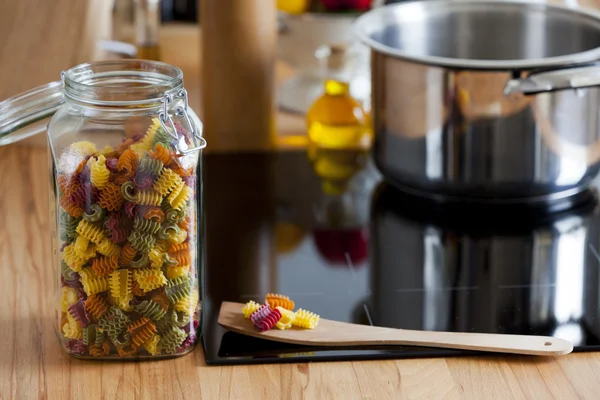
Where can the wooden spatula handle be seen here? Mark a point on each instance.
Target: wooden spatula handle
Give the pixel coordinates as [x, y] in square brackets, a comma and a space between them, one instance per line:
[515, 344]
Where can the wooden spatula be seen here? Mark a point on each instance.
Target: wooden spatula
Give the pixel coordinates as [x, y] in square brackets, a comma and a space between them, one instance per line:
[333, 333]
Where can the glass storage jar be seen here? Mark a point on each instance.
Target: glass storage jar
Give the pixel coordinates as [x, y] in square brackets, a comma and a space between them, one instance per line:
[125, 161]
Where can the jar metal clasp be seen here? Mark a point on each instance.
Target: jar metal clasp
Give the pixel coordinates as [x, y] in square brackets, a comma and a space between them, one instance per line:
[180, 111]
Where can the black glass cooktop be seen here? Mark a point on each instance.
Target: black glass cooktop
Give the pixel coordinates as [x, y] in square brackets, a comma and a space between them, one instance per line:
[343, 244]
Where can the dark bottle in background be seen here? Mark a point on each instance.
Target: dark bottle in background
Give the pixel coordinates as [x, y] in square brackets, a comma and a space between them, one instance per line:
[179, 10]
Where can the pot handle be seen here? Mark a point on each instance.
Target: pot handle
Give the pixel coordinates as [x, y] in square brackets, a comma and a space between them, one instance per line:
[551, 80]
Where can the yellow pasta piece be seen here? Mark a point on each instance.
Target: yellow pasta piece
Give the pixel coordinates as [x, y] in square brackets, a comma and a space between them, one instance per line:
[161, 246]
[149, 279]
[250, 308]
[99, 173]
[72, 259]
[151, 345]
[287, 319]
[92, 283]
[90, 231]
[305, 319]
[176, 272]
[72, 329]
[124, 303]
[178, 237]
[84, 249]
[120, 284]
[84, 147]
[145, 145]
[167, 181]
[156, 257]
[175, 192]
[68, 296]
[188, 303]
[108, 248]
[181, 199]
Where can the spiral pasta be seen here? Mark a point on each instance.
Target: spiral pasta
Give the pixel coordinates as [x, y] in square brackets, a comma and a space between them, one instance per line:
[141, 331]
[127, 164]
[77, 311]
[72, 259]
[141, 241]
[108, 248]
[287, 319]
[167, 181]
[68, 297]
[145, 145]
[278, 300]
[151, 345]
[305, 319]
[120, 283]
[161, 153]
[146, 225]
[155, 214]
[91, 232]
[269, 321]
[110, 197]
[72, 329]
[150, 309]
[126, 222]
[114, 322]
[96, 305]
[100, 350]
[177, 271]
[127, 255]
[99, 173]
[148, 198]
[149, 166]
[68, 225]
[171, 340]
[249, 308]
[70, 206]
[178, 289]
[150, 279]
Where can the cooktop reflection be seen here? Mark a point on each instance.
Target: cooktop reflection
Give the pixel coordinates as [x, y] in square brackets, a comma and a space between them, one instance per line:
[327, 231]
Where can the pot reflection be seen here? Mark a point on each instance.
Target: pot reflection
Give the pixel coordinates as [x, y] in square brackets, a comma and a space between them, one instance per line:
[489, 269]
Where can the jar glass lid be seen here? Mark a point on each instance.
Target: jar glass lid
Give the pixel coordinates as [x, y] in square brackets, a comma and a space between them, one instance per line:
[28, 113]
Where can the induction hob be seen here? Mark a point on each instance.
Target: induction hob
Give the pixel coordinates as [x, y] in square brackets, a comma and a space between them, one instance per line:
[370, 254]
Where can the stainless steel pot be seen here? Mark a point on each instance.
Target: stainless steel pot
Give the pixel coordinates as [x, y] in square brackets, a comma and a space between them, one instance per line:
[483, 100]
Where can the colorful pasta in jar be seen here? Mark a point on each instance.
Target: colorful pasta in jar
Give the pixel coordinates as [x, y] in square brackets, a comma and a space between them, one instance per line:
[126, 204]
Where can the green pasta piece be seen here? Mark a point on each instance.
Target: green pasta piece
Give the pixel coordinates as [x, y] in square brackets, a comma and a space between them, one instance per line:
[150, 166]
[171, 340]
[67, 272]
[97, 213]
[178, 288]
[126, 341]
[141, 262]
[100, 337]
[179, 319]
[128, 192]
[151, 309]
[146, 225]
[174, 216]
[164, 234]
[163, 325]
[114, 322]
[68, 225]
[89, 334]
[141, 241]
[161, 136]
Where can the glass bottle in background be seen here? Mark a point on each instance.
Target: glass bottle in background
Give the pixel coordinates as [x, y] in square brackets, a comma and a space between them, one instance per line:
[147, 24]
[337, 130]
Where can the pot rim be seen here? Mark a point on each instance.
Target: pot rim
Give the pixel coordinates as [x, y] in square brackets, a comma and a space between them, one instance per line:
[362, 32]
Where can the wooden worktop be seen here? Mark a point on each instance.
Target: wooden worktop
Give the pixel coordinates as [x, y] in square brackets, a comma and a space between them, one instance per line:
[39, 39]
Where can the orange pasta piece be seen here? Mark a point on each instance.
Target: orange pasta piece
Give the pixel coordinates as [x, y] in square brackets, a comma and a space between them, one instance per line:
[278, 300]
